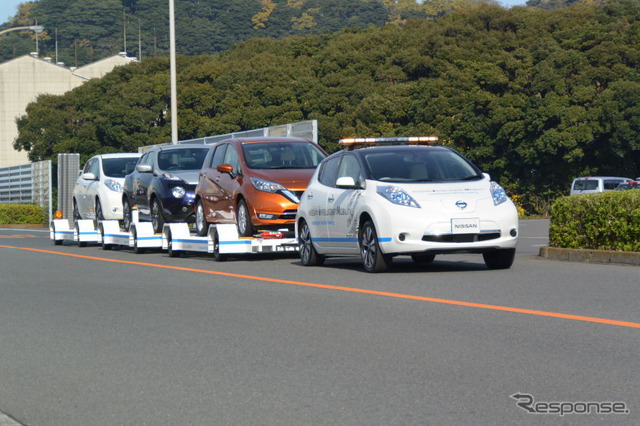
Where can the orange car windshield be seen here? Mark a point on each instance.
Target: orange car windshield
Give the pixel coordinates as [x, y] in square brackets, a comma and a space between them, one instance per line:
[282, 155]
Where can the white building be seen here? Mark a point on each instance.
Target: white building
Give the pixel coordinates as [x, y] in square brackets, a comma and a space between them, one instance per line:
[23, 79]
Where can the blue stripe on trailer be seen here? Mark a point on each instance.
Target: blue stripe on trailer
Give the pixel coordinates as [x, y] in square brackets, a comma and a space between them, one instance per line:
[186, 240]
[226, 243]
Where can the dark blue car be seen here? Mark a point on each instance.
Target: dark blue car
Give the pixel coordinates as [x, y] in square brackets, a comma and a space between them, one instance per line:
[162, 186]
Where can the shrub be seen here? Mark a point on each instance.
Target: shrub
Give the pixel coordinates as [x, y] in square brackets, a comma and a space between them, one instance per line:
[606, 221]
[21, 214]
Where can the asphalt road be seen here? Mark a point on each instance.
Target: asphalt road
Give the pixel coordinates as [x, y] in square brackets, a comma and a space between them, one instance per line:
[93, 337]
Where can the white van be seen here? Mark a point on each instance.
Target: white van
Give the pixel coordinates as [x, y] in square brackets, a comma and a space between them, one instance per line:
[592, 184]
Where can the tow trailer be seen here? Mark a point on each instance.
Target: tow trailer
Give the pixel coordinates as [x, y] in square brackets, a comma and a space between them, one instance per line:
[223, 240]
[83, 232]
[176, 238]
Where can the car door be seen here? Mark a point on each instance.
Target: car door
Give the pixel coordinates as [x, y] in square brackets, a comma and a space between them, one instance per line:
[319, 219]
[91, 187]
[342, 203]
[210, 191]
[141, 183]
[81, 189]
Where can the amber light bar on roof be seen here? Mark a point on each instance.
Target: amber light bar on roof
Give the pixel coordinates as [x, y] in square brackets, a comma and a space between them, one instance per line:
[388, 140]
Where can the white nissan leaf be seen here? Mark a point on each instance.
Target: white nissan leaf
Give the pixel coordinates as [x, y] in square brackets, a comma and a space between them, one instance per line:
[384, 197]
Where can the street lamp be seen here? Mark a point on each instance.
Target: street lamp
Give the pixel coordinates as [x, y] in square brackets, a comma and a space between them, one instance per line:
[172, 61]
[35, 28]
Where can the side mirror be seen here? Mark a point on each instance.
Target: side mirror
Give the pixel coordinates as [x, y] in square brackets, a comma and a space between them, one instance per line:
[487, 176]
[346, 182]
[225, 168]
[89, 176]
[144, 168]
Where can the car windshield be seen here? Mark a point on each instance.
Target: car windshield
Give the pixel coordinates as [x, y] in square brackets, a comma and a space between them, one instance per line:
[182, 159]
[118, 167]
[419, 164]
[282, 155]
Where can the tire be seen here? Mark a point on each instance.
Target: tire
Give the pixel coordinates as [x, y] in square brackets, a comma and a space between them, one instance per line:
[423, 258]
[99, 212]
[499, 259]
[105, 246]
[308, 254]
[136, 249]
[216, 248]
[170, 250]
[157, 218]
[126, 215]
[76, 212]
[373, 259]
[245, 228]
[202, 226]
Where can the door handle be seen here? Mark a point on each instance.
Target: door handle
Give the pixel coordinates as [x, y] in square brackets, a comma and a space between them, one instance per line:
[309, 195]
[331, 199]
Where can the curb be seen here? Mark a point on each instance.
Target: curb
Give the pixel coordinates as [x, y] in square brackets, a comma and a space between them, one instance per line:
[591, 256]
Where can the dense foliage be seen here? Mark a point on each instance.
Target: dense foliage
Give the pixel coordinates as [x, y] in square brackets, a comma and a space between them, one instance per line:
[21, 214]
[606, 221]
[535, 97]
[87, 30]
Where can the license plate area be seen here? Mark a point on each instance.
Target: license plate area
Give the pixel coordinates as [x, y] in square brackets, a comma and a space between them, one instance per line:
[465, 226]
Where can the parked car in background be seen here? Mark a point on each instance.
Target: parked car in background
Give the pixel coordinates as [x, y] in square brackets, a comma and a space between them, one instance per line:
[162, 185]
[634, 184]
[384, 197]
[255, 183]
[97, 193]
[593, 184]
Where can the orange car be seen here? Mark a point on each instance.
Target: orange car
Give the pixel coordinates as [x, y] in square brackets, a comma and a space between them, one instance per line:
[255, 183]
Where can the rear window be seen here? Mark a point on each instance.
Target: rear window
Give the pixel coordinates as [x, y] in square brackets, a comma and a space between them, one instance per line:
[585, 185]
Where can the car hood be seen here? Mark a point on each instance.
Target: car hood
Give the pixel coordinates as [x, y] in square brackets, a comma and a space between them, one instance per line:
[293, 179]
[453, 197]
[189, 176]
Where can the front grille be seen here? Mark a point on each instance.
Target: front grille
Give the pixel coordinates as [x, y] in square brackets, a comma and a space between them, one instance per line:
[461, 238]
[288, 214]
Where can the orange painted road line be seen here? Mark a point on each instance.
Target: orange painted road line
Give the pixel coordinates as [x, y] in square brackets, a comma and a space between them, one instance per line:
[352, 290]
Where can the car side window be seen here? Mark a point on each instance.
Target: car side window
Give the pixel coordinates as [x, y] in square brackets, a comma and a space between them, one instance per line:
[350, 166]
[95, 168]
[329, 171]
[231, 157]
[87, 167]
[218, 156]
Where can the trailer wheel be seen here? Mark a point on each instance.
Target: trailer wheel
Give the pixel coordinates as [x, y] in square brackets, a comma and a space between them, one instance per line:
[216, 248]
[170, 250]
[134, 234]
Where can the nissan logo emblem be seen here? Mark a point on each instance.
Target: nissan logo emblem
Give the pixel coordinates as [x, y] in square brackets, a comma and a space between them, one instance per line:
[461, 205]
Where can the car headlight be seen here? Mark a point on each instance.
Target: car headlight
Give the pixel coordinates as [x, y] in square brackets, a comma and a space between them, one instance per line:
[273, 187]
[498, 194]
[178, 191]
[397, 196]
[113, 185]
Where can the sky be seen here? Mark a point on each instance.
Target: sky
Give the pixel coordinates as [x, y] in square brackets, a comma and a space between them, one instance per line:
[9, 8]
